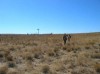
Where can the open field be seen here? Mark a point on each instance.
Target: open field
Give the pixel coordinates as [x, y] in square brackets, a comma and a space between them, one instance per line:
[46, 54]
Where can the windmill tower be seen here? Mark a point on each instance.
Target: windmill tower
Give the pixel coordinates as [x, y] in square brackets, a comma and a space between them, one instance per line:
[38, 30]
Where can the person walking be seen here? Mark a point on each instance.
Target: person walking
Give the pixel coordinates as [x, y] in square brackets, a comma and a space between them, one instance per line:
[65, 38]
[69, 37]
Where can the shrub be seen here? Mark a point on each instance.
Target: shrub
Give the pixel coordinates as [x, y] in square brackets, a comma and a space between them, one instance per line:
[11, 65]
[12, 48]
[3, 68]
[75, 49]
[96, 55]
[92, 43]
[36, 55]
[29, 58]
[97, 67]
[51, 53]
[35, 44]
[9, 58]
[64, 48]
[1, 55]
[56, 50]
[87, 47]
[46, 69]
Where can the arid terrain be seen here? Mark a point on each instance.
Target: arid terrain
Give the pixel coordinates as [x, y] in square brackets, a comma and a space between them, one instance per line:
[46, 54]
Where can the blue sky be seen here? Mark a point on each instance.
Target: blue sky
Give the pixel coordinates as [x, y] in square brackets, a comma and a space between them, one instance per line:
[50, 16]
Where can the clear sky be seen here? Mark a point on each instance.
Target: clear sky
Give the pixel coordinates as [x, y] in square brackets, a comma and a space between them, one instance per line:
[50, 16]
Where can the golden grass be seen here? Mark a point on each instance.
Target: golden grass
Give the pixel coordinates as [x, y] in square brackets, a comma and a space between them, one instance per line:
[46, 54]
[3, 68]
[12, 71]
[97, 67]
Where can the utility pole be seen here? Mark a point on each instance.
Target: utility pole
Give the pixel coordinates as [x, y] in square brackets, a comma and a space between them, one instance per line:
[38, 30]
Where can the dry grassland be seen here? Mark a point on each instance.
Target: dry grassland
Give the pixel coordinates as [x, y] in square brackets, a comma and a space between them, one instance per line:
[46, 54]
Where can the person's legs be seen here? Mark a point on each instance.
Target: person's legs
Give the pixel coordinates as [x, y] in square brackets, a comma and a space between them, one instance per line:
[69, 39]
[64, 42]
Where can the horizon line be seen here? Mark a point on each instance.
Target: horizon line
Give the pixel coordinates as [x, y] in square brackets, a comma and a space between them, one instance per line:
[44, 33]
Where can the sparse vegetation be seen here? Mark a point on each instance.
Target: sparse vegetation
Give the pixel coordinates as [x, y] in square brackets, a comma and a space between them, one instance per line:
[46, 54]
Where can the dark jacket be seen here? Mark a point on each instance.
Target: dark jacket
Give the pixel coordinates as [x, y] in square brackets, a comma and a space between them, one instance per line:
[65, 37]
